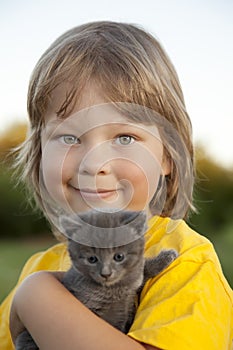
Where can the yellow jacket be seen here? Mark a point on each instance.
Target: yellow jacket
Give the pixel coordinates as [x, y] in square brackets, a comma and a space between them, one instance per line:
[189, 306]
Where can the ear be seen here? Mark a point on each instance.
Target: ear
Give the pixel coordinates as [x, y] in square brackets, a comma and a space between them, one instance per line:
[137, 220]
[69, 224]
[128, 216]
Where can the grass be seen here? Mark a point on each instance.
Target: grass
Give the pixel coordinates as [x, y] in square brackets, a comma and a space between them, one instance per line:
[13, 255]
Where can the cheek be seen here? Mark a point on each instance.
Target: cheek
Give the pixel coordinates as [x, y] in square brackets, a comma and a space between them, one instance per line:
[141, 167]
[139, 180]
[56, 169]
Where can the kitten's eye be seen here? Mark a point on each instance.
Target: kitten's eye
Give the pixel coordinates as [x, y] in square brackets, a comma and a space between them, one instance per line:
[92, 259]
[125, 140]
[70, 139]
[119, 257]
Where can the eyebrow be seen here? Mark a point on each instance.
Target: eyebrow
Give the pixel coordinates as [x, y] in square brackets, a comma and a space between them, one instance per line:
[125, 125]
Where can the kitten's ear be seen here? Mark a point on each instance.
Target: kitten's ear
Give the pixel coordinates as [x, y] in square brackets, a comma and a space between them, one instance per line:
[69, 225]
[136, 219]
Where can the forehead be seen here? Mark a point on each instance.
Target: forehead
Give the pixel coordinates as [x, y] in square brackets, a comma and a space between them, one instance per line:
[92, 110]
[102, 118]
[90, 95]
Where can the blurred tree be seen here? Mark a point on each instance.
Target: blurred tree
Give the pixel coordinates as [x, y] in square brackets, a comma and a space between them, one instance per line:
[12, 137]
[17, 218]
[213, 195]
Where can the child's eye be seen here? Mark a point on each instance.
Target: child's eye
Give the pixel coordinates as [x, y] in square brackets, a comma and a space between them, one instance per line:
[119, 257]
[125, 140]
[92, 259]
[70, 139]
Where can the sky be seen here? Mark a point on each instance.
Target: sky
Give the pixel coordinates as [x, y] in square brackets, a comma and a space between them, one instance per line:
[197, 35]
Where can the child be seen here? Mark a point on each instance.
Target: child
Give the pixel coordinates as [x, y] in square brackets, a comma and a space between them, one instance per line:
[109, 128]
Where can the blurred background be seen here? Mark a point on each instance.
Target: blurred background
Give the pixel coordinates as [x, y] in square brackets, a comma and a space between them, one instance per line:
[198, 38]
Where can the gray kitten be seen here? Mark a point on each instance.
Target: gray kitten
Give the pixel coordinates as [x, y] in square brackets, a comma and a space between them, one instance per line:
[109, 270]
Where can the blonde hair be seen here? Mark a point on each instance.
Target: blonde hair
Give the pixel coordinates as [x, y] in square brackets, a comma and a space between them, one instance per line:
[129, 65]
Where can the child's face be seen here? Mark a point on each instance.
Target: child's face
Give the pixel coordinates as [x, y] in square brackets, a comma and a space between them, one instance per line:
[96, 158]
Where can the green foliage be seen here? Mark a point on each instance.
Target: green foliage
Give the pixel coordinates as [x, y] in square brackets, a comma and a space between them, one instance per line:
[213, 196]
[223, 244]
[17, 218]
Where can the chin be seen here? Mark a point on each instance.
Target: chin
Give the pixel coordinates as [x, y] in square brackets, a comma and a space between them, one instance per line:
[108, 283]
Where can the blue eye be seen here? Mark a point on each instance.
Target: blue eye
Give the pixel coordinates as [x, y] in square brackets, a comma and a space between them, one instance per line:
[70, 139]
[92, 259]
[118, 257]
[125, 140]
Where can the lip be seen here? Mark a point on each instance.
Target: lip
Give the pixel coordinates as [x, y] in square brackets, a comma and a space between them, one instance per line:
[96, 194]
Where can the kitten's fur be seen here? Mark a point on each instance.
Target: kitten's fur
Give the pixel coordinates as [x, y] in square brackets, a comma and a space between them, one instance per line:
[108, 279]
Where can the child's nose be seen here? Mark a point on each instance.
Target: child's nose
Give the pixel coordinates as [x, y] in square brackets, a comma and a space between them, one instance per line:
[96, 161]
[94, 168]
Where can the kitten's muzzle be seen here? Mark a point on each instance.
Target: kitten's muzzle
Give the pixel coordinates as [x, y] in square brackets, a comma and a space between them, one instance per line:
[106, 272]
[106, 275]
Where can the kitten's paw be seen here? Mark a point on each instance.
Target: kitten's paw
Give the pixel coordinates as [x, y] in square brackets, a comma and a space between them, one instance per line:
[154, 266]
[168, 255]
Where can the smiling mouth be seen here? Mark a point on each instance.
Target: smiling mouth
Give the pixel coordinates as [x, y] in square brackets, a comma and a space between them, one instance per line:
[96, 193]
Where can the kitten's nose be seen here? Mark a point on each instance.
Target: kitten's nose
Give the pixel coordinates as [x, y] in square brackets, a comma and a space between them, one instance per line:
[106, 272]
